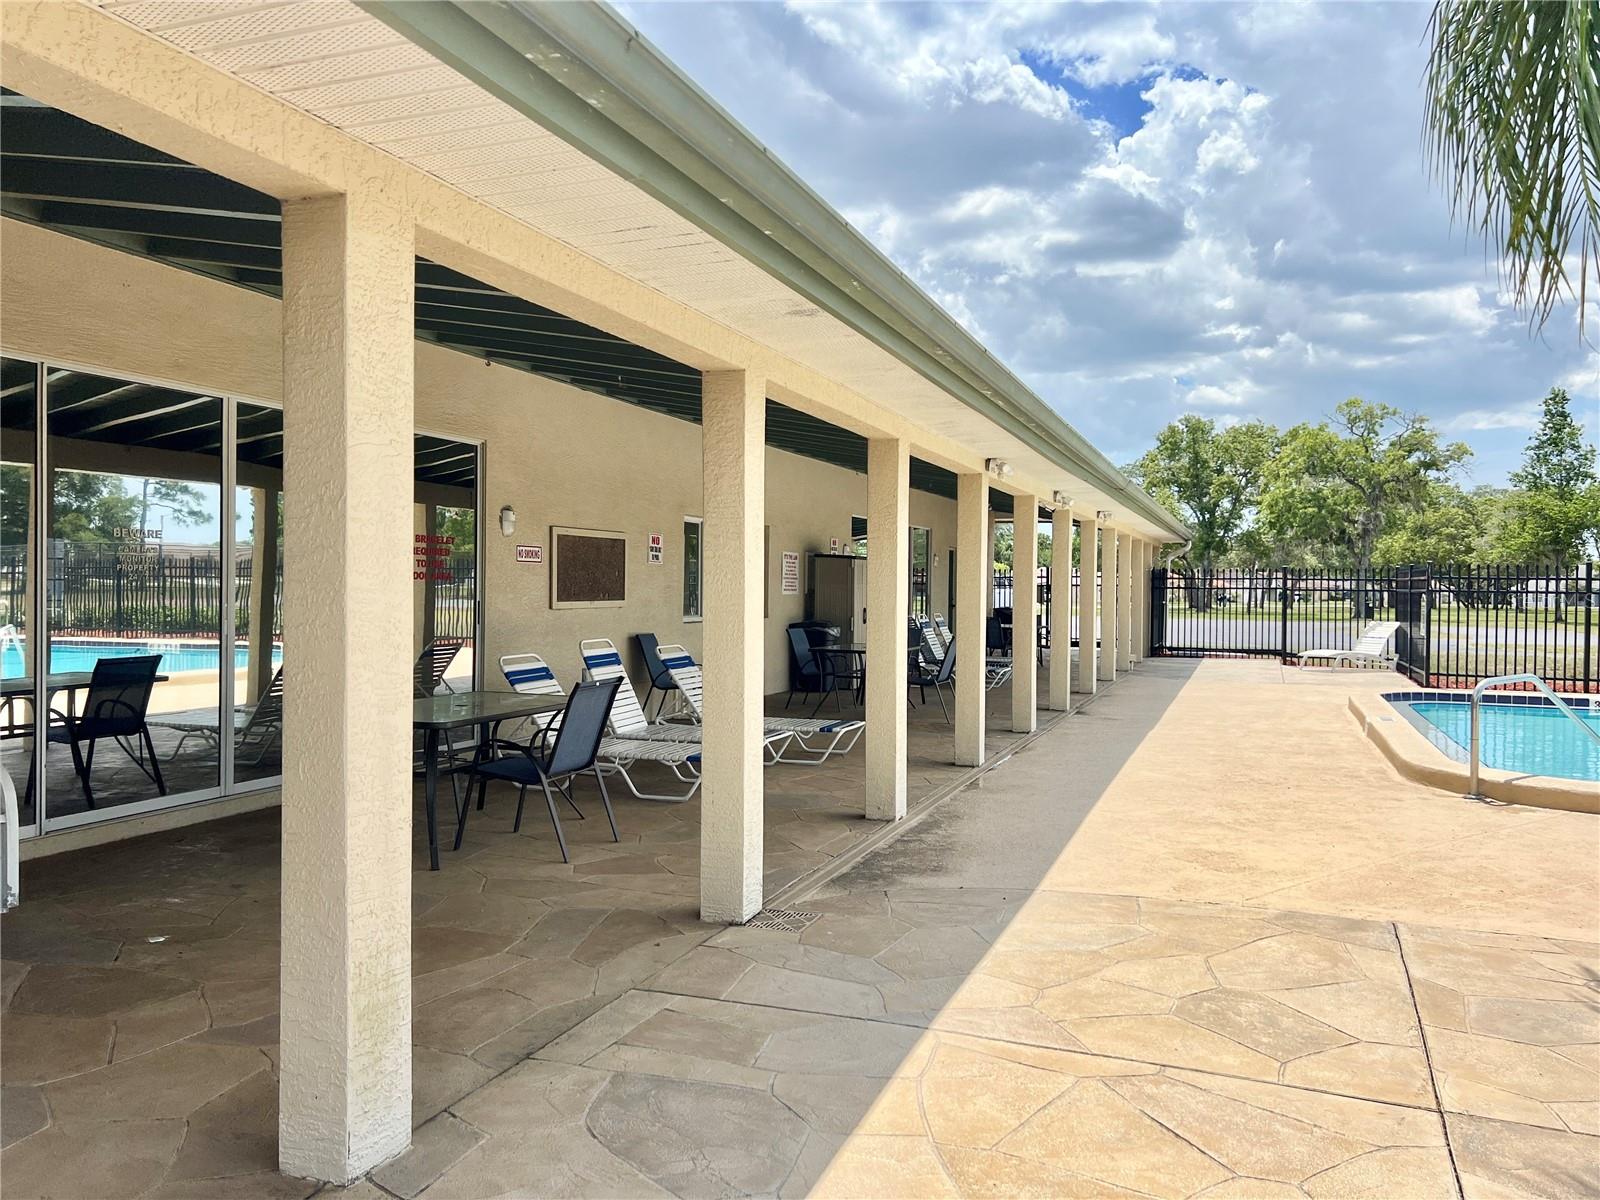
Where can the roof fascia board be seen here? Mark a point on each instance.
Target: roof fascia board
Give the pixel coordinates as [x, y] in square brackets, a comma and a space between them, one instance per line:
[603, 89]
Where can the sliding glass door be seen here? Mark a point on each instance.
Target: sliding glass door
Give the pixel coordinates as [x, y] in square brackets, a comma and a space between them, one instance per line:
[141, 590]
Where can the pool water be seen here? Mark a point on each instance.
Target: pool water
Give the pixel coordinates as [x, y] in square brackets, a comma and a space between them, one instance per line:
[1525, 738]
[81, 655]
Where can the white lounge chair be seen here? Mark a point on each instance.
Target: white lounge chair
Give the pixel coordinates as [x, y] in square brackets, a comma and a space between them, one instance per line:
[841, 736]
[531, 675]
[601, 661]
[1372, 649]
[256, 727]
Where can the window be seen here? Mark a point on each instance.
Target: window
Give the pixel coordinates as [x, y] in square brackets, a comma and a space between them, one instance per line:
[921, 554]
[693, 582]
[858, 537]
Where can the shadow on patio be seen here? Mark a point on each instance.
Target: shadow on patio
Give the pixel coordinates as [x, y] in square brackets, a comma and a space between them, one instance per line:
[140, 978]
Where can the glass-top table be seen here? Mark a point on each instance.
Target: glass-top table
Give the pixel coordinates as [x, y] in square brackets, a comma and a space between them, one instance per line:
[436, 716]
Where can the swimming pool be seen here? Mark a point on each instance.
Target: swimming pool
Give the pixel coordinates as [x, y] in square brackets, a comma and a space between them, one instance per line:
[79, 654]
[1521, 733]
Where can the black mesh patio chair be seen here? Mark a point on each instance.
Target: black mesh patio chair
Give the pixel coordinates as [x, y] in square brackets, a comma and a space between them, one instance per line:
[115, 708]
[807, 675]
[555, 758]
[922, 679]
[660, 678]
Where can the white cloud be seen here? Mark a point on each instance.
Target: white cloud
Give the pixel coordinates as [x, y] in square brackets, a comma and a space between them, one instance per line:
[1233, 194]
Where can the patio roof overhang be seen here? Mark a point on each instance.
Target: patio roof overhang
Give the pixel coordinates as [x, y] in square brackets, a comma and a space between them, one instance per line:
[338, 91]
[74, 177]
[581, 72]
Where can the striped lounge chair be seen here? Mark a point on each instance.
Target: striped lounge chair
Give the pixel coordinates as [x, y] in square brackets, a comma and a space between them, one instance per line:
[808, 734]
[601, 661]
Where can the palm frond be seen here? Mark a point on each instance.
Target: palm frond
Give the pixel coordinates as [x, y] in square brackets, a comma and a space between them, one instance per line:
[1513, 133]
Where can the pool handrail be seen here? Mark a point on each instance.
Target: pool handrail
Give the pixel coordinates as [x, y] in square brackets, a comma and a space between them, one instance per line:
[1475, 793]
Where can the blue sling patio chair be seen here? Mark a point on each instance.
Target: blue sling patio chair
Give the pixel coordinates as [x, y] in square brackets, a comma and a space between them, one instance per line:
[555, 756]
[530, 674]
[660, 677]
[826, 737]
[922, 678]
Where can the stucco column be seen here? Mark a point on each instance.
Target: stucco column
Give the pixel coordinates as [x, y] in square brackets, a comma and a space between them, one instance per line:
[1141, 597]
[1110, 593]
[1124, 601]
[1024, 614]
[1061, 610]
[733, 413]
[975, 564]
[888, 601]
[1088, 569]
[344, 1095]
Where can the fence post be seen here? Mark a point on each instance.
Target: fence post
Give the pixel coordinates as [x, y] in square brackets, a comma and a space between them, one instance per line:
[1426, 600]
[1588, 625]
[1283, 629]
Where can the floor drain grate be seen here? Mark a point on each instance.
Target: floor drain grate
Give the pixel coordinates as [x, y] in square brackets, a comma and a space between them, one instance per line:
[786, 920]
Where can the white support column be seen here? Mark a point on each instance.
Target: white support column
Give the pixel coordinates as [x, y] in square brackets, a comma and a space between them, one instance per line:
[1088, 569]
[1024, 614]
[733, 411]
[1124, 601]
[888, 602]
[975, 562]
[1110, 590]
[1061, 610]
[344, 1096]
[1152, 551]
[1141, 597]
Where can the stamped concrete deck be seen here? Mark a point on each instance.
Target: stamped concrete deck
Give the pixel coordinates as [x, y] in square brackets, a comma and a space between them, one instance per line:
[1197, 941]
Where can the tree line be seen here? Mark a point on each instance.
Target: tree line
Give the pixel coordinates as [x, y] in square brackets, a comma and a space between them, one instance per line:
[1372, 487]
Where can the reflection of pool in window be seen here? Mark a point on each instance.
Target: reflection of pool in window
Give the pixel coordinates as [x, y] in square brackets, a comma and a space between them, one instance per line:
[134, 569]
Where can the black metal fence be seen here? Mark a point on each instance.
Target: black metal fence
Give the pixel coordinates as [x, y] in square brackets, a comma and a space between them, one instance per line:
[1457, 625]
[111, 590]
[1005, 597]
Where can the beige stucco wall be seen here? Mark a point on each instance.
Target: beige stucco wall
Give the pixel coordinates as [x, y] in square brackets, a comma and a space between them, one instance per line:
[557, 455]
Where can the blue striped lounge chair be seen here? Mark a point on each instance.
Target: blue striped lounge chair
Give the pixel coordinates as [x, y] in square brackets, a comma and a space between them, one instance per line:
[601, 661]
[816, 740]
[531, 675]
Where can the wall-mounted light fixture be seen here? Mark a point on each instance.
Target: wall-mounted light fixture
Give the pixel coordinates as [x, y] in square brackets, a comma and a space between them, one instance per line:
[998, 467]
[1061, 500]
[508, 520]
[1103, 514]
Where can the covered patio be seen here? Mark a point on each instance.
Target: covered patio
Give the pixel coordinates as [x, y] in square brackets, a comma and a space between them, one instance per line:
[255, 264]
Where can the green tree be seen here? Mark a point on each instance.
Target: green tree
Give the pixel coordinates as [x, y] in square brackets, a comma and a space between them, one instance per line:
[1447, 529]
[1554, 517]
[1211, 479]
[1513, 131]
[1341, 485]
[1556, 458]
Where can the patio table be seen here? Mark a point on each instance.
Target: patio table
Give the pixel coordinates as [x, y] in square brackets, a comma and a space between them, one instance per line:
[71, 682]
[436, 716]
[844, 661]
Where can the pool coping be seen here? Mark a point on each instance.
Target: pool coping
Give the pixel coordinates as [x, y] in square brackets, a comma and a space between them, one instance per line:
[1418, 759]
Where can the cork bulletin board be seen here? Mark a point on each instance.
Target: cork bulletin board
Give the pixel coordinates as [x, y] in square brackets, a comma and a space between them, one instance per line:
[588, 568]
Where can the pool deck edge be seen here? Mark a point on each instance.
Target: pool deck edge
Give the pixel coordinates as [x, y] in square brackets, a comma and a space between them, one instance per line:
[1415, 758]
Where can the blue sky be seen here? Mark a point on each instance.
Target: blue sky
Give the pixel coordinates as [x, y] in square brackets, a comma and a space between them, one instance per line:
[1147, 211]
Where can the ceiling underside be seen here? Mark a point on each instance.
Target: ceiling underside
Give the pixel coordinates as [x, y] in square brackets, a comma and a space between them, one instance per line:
[77, 178]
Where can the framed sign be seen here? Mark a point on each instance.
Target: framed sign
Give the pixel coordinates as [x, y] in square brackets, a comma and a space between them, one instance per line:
[588, 568]
[791, 573]
[530, 554]
[653, 556]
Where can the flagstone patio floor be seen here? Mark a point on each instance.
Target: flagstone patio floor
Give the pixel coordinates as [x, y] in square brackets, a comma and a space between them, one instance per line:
[1147, 955]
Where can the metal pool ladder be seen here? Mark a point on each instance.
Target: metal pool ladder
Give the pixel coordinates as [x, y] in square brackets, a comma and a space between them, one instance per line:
[1477, 719]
